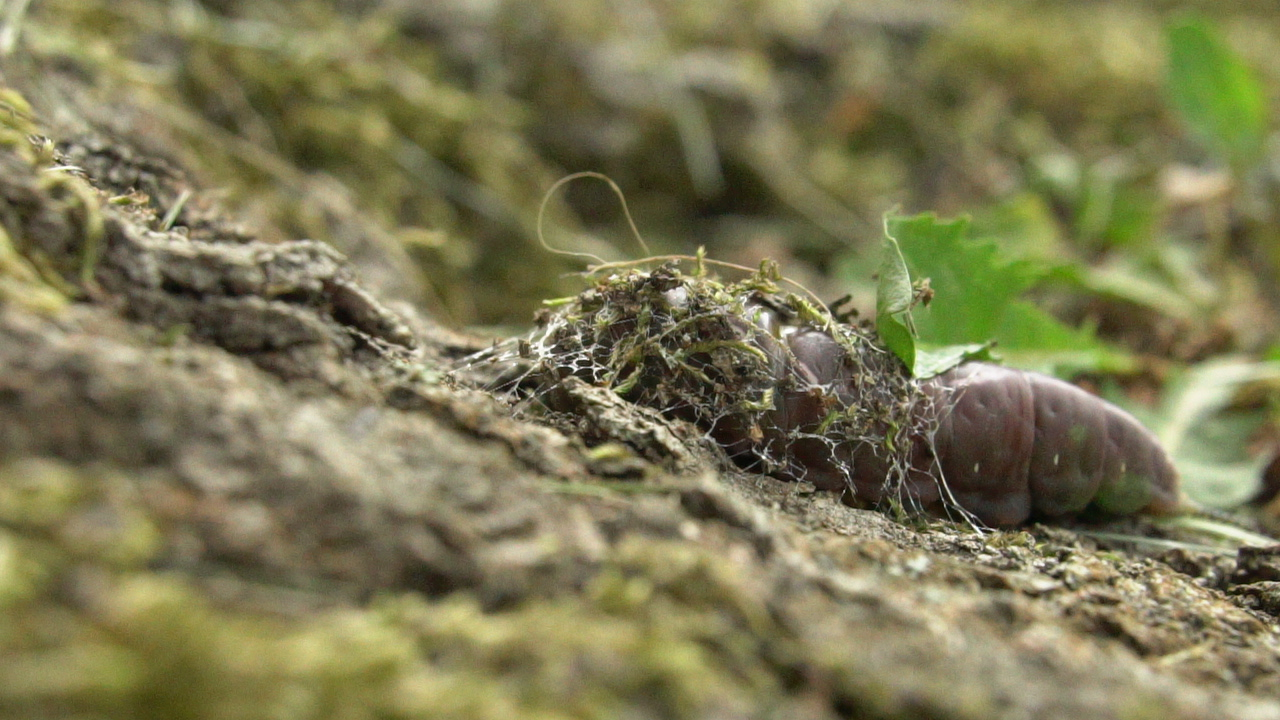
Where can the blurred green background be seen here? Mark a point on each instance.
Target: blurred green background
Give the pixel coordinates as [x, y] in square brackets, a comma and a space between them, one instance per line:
[1115, 161]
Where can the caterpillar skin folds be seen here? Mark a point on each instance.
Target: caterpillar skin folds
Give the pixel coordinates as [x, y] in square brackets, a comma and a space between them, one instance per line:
[1009, 445]
[1012, 445]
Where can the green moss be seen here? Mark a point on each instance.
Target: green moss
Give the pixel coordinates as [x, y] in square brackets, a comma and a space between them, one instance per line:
[25, 278]
[38, 494]
[662, 626]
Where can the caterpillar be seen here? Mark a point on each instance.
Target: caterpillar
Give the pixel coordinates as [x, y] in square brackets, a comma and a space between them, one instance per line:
[788, 391]
[1011, 445]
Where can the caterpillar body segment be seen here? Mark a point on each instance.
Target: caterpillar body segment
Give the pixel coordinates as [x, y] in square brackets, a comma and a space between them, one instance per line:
[1013, 445]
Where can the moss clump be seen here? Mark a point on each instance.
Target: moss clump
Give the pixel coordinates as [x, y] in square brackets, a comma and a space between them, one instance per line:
[677, 343]
[772, 377]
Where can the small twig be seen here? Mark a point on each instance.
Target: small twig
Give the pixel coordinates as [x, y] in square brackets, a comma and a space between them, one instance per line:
[626, 211]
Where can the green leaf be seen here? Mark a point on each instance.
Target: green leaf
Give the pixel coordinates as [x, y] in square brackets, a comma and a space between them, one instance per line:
[894, 297]
[1032, 339]
[977, 298]
[971, 282]
[933, 361]
[898, 338]
[1218, 96]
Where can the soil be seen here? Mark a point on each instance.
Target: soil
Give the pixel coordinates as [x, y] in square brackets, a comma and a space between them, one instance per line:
[238, 481]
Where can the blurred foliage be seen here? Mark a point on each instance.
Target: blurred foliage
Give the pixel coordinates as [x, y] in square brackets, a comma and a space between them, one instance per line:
[1217, 93]
[1204, 425]
[754, 127]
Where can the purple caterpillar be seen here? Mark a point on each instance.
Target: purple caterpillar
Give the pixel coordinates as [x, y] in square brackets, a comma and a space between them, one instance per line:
[788, 391]
[1009, 445]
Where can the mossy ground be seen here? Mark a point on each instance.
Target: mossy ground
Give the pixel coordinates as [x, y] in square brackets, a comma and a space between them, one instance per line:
[234, 481]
